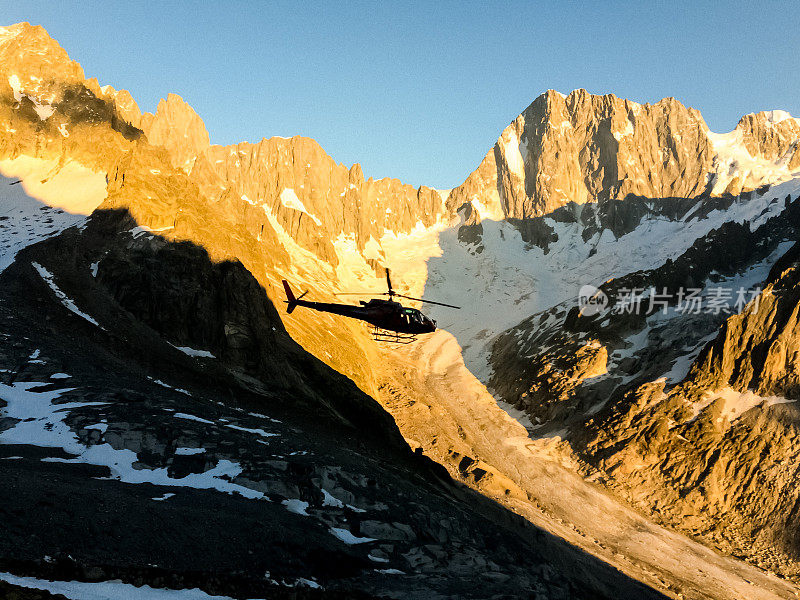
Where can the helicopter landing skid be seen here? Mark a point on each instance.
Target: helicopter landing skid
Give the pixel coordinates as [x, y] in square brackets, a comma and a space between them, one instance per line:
[392, 337]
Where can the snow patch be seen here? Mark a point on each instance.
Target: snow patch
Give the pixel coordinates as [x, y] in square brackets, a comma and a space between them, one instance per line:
[329, 500]
[41, 422]
[733, 164]
[512, 152]
[348, 538]
[189, 451]
[777, 116]
[70, 187]
[260, 432]
[168, 386]
[44, 110]
[65, 300]
[290, 200]
[16, 86]
[628, 131]
[39, 199]
[107, 590]
[189, 417]
[141, 230]
[390, 571]
[194, 352]
[735, 403]
[377, 559]
[296, 506]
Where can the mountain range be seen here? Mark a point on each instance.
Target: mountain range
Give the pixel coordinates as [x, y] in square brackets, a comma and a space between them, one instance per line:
[164, 422]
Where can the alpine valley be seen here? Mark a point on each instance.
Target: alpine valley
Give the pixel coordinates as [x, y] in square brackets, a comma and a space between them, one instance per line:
[166, 425]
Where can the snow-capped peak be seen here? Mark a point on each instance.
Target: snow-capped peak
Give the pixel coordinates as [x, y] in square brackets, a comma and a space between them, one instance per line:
[777, 116]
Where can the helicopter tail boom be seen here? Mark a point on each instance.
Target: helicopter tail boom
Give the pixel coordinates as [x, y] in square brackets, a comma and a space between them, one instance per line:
[290, 299]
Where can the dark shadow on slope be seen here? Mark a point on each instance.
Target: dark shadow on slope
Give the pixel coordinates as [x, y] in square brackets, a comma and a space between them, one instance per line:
[81, 106]
[150, 295]
[620, 217]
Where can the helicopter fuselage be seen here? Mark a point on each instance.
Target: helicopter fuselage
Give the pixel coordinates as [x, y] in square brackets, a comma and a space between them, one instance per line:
[385, 314]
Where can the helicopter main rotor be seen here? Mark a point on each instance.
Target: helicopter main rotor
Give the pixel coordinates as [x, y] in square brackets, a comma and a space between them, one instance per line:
[391, 293]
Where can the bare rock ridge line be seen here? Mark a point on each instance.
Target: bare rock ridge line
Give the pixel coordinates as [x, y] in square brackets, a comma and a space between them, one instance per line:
[562, 149]
[583, 148]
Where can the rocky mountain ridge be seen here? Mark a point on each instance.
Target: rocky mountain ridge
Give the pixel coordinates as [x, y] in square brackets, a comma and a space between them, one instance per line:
[583, 148]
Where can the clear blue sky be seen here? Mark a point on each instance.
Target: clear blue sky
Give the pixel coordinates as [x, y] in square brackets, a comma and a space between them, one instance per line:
[420, 91]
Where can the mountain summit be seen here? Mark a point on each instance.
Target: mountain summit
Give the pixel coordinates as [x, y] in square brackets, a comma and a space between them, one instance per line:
[583, 148]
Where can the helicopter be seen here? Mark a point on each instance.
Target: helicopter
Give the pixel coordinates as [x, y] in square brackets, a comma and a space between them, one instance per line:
[390, 320]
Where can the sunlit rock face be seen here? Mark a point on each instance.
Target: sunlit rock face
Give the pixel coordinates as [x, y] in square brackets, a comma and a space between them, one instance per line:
[176, 127]
[311, 197]
[773, 135]
[716, 454]
[759, 348]
[584, 148]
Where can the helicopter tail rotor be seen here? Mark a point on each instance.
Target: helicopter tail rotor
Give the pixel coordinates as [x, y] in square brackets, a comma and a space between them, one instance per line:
[290, 299]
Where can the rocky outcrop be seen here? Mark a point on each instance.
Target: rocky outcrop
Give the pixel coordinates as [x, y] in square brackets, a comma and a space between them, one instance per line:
[584, 148]
[759, 349]
[534, 362]
[126, 106]
[176, 127]
[718, 455]
[37, 60]
[772, 135]
[295, 184]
